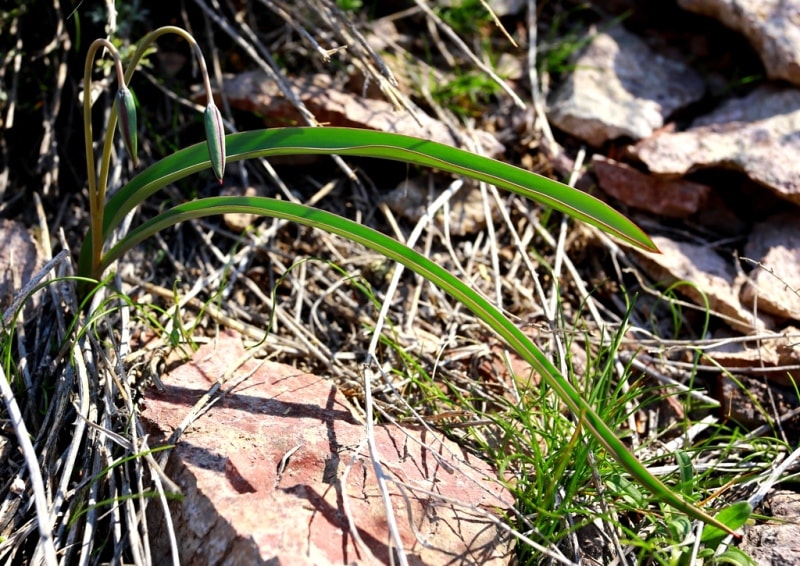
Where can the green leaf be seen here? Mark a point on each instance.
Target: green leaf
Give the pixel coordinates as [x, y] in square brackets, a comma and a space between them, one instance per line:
[733, 517]
[366, 143]
[345, 141]
[686, 470]
[440, 277]
[625, 488]
[679, 527]
[734, 556]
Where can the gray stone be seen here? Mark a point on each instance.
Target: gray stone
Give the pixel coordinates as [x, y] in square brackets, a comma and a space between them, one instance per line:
[20, 258]
[707, 277]
[467, 214]
[774, 286]
[766, 354]
[621, 88]
[758, 134]
[776, 543]
[771, 26]
[499, 7]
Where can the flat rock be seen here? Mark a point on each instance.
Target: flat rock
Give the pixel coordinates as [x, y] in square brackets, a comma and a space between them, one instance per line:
[776, 542]
[262, 474]
[767, 354]
[620, 87]
[20, 258]
[775, 284]
[467, 214]
[239, 221]
[771, 26]
[758, 134]
[674, 198]
[708, 276]
[253, 91]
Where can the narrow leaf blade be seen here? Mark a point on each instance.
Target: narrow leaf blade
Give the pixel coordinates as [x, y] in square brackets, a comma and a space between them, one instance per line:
[366, 143]
[434, 273]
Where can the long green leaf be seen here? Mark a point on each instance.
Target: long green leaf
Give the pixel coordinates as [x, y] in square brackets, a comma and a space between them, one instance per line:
[366, 143]
[396, 251]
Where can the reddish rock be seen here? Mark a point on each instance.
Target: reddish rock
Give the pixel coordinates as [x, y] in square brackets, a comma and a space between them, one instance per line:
[253, 91]
[261, 473]
[756, 134]
[675, 198]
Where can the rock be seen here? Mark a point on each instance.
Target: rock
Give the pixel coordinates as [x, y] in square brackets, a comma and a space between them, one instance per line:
[507, 7]
[499, 7]
[771, 26]
[20, 258]
[776, 542]
[253, 91]
[262, 475]
[768, 353]
[674, 198]
[621, 88]
[750, 400]
[758, 134]
[239, 221]
[775, 285]
[708, 277]
[467, 216]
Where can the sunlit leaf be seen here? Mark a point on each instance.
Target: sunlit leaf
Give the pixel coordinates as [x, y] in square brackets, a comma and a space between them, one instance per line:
[440, 277]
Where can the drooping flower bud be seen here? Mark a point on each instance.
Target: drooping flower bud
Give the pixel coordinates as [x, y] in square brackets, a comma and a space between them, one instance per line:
[126, 108]
[215, 136]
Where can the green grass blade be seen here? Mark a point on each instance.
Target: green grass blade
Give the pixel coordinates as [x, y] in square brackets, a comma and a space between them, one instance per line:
[396, 251]
[367, 143]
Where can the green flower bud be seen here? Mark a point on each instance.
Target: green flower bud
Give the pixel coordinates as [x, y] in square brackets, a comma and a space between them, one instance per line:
[126, 108]
[215, 136]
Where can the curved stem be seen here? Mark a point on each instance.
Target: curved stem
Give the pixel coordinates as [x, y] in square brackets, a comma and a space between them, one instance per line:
[97, 187]
[99, 183]
[148, 39]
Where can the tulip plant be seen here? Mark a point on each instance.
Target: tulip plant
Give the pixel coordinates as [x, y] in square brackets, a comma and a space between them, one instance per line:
[94, 259]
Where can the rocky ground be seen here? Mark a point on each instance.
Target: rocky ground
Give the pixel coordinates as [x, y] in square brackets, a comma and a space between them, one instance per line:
[689, 116]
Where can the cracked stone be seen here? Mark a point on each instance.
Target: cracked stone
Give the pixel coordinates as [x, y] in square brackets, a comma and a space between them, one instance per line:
[774, 286]
[620, 87]
[253, 91]
[776, 542]
[674, 198]
[758, 134]
[771, 26]
[709, 276]
[263, 476]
